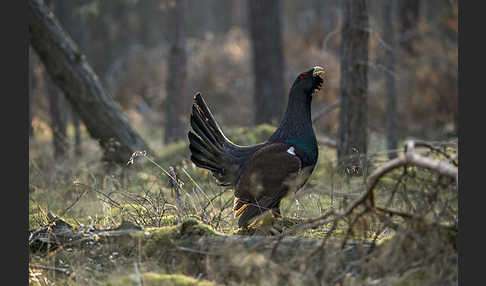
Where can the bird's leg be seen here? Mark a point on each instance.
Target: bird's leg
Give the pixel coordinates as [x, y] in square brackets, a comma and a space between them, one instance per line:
[276, 210]
[276, 227]
[238, 207]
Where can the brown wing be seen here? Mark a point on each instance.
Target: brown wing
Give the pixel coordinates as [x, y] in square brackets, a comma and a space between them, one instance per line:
[270, 174]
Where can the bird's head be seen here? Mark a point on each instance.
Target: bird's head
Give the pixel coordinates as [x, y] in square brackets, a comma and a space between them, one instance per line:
[310, 81]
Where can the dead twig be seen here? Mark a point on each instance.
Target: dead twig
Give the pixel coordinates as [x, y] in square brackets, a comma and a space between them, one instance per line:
[367, 199]
[175, 185]
[62, 270]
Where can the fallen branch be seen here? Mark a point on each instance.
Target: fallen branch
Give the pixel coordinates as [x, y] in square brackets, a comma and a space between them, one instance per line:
[175, 185]
[189, 237]
[62, 270]
[368, 197]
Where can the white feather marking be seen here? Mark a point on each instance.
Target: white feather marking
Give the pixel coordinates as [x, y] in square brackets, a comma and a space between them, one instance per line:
[291, 150]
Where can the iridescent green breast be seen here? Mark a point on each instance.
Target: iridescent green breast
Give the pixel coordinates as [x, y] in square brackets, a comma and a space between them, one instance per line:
[306, 149]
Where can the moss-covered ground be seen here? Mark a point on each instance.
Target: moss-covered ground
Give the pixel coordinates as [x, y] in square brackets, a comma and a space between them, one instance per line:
[85, 195]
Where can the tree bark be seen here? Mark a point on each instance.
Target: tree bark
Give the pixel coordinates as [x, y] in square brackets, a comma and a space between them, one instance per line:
[409, 15]
[69, 70]
[65, 12]
[391, 93]
[352, 130]
[151, 32]
[174, 105]
[77, 133]
[268, 61]
[58, 110]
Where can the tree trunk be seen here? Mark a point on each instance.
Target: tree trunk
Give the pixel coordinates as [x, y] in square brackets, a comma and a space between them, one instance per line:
[151, 32]
[58, 110]
[69, 70]
[352, 130]
[391, 93]
[409, 15]
[77, 133]
[174, 105]
[65, 12]
[268, 61]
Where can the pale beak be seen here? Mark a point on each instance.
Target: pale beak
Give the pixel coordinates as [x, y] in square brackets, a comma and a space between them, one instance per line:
[318, 71]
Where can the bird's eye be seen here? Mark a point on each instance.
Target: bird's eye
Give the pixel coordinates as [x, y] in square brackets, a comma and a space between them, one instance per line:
[304, 74]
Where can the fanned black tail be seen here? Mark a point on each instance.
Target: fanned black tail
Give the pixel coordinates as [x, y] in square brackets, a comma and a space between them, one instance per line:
[207, 141]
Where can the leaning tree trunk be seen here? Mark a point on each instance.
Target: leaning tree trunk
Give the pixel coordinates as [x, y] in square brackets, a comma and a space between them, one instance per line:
[352, 130]
[268, 61]
[175, 127]
[69, 70]
[391, 92]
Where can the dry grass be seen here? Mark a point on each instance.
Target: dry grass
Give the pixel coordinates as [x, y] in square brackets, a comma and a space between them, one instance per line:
[88, 198]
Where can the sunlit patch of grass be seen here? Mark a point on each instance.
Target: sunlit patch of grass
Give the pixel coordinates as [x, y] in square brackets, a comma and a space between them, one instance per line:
[151, 278]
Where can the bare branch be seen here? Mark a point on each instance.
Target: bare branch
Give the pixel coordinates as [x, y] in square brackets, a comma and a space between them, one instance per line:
[367, 198]
[175, 185]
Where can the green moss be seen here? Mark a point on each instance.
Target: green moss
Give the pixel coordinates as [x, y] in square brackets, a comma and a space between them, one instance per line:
[162, 239]
[34, 221]
[249, 136]
[37, 216]
[155, 279]
[173, 154]
[451, 237]
[411, 278]
[165, 244]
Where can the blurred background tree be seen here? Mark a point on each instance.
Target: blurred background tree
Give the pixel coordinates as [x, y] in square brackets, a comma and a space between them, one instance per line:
[173, 111]
[391, 92]
[269, 97]
[353, 111]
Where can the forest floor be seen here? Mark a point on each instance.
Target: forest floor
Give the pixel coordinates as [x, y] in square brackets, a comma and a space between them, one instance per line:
[171, 237]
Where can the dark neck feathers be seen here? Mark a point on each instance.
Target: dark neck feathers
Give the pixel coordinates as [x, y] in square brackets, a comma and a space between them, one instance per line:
[296, 121]
[296, 128]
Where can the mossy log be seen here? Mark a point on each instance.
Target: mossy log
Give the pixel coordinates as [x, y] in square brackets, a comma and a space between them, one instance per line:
[194, 249]
[189, 237]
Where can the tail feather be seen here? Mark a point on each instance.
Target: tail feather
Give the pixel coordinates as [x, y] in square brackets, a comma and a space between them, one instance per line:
[207, 142]
[197, 145]
[204, 157]
[202, 163]
[201, 128]
[209, 117]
